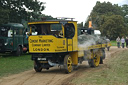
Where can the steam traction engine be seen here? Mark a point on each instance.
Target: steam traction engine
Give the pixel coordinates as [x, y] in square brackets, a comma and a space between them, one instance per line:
[55, 42]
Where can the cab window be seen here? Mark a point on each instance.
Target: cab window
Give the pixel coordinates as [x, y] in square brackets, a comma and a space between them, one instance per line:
[10, 33]
[6, 31]
[20, 31]
[16, 32]
[46, 29]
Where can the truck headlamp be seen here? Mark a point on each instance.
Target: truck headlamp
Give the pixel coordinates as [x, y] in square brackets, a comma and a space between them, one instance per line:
[5, 43]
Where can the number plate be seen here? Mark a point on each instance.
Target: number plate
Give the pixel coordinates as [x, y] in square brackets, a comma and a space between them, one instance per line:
[41, 59]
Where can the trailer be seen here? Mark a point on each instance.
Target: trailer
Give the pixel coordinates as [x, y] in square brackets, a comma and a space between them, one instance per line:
[55, 42]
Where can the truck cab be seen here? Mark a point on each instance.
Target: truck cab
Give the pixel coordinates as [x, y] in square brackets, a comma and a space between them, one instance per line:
[12, 38]
[50, 37]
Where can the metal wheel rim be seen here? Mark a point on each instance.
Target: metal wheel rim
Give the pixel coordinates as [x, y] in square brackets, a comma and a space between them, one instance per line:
[69, 64]
[96, 60]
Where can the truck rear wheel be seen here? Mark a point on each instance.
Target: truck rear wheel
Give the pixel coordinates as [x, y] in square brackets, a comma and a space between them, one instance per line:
[94, 61]
[103, 56]
[37, 67]
[68, 64]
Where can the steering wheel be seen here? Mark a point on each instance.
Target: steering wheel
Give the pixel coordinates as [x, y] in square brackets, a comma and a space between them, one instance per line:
[61, 34]
[43, 33]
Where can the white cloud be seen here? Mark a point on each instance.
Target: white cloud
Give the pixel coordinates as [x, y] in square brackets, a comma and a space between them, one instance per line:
[78, 9]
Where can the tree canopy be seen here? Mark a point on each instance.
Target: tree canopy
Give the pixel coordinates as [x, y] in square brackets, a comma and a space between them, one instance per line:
[16, 10]
[125, 12]
[4, 15]
[111, 20]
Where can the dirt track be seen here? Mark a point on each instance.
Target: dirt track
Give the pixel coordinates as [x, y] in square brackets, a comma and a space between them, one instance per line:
[54, 76]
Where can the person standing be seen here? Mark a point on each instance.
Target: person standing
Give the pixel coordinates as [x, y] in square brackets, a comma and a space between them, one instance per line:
[118, 41]
[126, 42]
[122, 42]
[108, 41]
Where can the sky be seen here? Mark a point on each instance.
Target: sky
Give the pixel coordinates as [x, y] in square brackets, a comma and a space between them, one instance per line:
[78, 9]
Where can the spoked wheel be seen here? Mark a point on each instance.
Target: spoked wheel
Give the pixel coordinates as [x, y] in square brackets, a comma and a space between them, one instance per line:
[95, 60]
[68, 64]
[37, 67]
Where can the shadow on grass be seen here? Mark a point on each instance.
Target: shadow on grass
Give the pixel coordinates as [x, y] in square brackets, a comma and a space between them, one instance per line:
[7, 54]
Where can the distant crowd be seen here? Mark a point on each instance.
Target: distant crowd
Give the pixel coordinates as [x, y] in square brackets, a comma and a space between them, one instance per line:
[122, 42]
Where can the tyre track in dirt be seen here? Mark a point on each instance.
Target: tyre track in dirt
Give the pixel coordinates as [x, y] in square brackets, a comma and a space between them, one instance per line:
[50, 77]
[55, 75]
[114, 51]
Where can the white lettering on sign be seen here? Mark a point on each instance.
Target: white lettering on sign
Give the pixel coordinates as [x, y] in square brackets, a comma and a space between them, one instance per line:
[33, 41]
[46, 40]
[41, 41]
[45, 45]
[36, 45]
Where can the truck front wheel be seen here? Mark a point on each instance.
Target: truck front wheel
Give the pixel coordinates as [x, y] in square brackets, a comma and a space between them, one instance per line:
[68, 64]
[94, 61]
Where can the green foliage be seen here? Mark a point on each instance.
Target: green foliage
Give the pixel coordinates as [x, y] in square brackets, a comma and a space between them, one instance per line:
[125, 10]
[113, 43]
[111, 20]
[113, 26]
[80, 25]
[22, 9]
[105, 8]
[4, 15]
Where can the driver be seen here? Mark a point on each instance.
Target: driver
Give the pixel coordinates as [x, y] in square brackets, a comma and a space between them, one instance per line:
[69, 31]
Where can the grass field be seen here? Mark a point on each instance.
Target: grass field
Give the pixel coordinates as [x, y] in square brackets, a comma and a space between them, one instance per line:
[113, 43]
[13, 64]
[115, 72]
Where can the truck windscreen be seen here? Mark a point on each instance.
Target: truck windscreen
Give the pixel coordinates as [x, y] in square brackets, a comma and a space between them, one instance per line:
[46, 29]
[5, 31]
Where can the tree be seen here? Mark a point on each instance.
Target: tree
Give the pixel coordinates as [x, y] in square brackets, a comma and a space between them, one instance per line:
[113, 26]
[106, 8]
[80, 25]
[22, 9]
[109, 19]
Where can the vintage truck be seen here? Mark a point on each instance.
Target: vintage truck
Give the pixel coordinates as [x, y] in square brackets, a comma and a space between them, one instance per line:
[56, 42]
[13, 38]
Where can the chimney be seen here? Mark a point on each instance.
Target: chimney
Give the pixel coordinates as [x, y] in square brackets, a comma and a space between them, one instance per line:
[90, 24]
